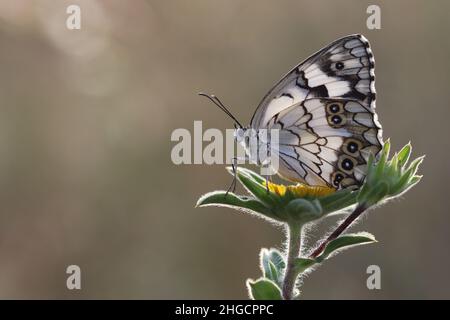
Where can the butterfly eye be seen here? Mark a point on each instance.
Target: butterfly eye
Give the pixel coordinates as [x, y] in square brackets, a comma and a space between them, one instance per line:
[239, 134]
[339, 65]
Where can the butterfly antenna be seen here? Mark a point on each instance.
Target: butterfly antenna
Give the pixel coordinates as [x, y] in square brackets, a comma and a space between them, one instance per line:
[221, 106]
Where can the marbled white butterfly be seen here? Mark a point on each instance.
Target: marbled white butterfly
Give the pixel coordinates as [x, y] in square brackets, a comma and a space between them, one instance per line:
[324, 110]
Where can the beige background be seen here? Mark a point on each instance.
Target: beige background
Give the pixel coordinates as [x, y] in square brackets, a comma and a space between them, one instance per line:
[85, 123]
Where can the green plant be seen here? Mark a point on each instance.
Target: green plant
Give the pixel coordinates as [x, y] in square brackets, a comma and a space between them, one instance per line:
[296, 205]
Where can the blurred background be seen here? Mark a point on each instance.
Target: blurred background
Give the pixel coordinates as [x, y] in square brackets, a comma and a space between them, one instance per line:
[86, 116]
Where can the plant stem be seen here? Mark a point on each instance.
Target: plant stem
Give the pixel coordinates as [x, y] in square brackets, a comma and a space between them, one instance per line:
[293, 251]
[341, 228]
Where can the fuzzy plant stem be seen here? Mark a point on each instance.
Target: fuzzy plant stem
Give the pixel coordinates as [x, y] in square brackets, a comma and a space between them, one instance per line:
[293, 251]
[341, 228]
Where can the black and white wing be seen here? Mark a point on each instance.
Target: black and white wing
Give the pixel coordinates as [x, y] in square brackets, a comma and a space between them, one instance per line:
[325, 110]
[343, 69]
[324, 141]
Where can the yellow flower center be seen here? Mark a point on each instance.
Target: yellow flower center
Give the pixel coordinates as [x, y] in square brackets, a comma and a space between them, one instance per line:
[300, 190]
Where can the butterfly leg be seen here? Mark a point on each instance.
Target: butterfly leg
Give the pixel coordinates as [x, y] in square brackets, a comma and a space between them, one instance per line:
[232, 186]
[234, 164]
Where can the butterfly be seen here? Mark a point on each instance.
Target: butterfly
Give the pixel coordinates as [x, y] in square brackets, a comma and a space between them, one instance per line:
[324, 111]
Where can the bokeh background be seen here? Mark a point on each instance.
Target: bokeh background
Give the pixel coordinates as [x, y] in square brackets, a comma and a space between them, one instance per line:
[86, 116]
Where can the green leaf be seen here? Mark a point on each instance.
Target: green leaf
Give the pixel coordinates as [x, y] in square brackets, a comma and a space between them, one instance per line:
[370, 170]
[277, 259]
[230, 200]
[375, 194]
[415, 164]
[393, 163]
[303, 210]
[388, 179]
[301, 264]
[392, 171]
[403, 182]
[403, 155]
[346, 241]
[274, 275]
[384, 156]
[255, 187]
[272, 265]
[414, 180]
[344, 199]
[263, 289]
[253, 175]
[335, 196]
[267, 266]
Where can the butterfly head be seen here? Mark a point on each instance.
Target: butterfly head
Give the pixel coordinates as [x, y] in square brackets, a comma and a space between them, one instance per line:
[240, 134]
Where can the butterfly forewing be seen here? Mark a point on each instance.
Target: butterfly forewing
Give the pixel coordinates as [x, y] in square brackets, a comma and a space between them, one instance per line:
[325, 111]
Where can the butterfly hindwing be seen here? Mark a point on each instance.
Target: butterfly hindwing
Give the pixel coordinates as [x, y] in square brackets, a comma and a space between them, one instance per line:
[324, 141]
